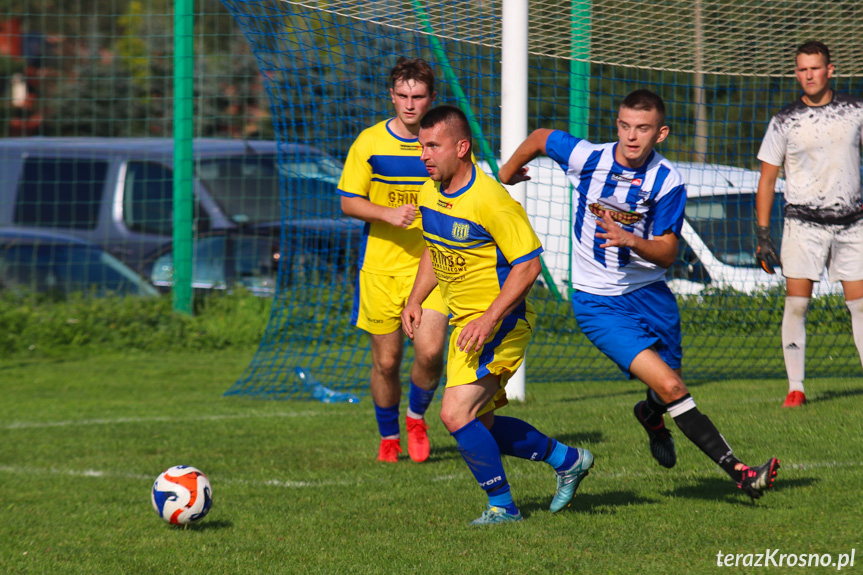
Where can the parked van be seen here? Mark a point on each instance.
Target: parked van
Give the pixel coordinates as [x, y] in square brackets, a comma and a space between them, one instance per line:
[118, 192]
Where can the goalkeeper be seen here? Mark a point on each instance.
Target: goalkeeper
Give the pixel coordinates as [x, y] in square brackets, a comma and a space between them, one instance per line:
[817, 139]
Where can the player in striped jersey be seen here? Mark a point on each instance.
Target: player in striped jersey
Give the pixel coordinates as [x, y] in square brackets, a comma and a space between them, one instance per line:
[627, 213]
[482, 252]
[380, 185]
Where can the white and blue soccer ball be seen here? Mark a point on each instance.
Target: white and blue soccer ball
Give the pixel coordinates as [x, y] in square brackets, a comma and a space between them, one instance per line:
[182, 495]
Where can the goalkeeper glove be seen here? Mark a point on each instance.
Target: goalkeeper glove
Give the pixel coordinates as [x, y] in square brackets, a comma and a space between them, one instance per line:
[765, 253]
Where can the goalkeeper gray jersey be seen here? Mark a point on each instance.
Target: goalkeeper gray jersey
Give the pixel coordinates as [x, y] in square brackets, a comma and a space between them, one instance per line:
[820, 149]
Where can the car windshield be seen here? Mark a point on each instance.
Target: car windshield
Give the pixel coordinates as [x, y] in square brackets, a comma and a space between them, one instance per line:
[247, 186]
[726, 224]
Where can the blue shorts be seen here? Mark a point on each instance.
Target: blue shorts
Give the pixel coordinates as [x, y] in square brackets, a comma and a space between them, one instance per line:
[622, 326]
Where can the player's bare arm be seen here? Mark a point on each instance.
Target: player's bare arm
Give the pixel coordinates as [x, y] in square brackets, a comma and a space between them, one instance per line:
[514, 290]
[661, 250]
[424, 284]
[368, 211]
[765, 193]
[514, 170]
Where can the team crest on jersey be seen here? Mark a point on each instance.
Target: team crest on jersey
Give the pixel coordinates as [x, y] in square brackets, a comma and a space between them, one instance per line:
[460, 231]
[619, 212]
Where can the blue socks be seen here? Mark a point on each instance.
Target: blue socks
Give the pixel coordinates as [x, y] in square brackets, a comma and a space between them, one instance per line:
[388, 417]
[419, 399]
[482, 448]
[481, 453]
[520, 439]
[388, 420]
[562, 457]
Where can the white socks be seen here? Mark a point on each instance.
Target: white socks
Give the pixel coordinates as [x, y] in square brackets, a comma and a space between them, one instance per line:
[794, 340]
[855, 306]
[794, 336]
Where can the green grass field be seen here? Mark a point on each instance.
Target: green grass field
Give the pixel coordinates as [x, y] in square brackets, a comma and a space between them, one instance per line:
[297, 488]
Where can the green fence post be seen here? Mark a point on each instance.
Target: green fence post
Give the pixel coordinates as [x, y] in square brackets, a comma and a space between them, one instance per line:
[579, 68]
[183, 131]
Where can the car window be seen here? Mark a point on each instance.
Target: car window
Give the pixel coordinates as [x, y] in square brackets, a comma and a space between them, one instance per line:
[148, 199]
[208, 264]
[248, 190]
[60, 192]
[222, 260]
[319, 168]
[256, 257]
[64, 268]
[726, 224]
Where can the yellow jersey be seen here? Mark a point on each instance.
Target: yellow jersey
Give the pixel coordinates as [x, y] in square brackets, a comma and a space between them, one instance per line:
[475, 236]
[387, 170]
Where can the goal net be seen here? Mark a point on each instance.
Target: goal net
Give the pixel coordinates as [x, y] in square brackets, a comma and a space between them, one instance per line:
[723, 68]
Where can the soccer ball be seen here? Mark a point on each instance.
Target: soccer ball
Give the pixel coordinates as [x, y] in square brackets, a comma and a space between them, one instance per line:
[182, 495]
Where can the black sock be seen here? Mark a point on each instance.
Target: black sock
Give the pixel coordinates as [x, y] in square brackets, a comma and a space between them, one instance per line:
[698, 428]
[653, 409]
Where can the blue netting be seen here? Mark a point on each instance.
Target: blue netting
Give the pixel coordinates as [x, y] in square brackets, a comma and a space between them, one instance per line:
[326, 79]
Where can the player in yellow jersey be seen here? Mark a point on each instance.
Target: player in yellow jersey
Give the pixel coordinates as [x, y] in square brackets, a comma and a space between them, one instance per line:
[483, 254]
[380, 185]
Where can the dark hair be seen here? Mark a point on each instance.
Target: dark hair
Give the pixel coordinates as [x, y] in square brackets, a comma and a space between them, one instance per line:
[645, 100]
[415, 69]
[454, 119]
[813, 47]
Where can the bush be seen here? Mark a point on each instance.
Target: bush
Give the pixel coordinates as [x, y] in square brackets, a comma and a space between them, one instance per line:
[47, 326]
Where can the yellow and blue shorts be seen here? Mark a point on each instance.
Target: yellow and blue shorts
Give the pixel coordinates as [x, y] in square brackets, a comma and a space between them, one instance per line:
[379, 301]
[502, 354]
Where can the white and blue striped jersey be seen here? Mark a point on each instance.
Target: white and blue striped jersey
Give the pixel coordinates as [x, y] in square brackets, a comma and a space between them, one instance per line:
[647, 201]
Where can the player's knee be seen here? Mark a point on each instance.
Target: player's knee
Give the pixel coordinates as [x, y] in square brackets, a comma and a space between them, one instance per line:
[388, 366]
[451, 418]
[430, 363]
[670, 389]
[796, 306]
[455, 413]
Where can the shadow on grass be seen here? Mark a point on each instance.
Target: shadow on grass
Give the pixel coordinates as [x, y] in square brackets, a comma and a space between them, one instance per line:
[447, 452]
[16, 363]
[830, 395]
[637, 389]
[589, 503]
[442, 452]
[205, 525]
[580, 438]
[718, 489]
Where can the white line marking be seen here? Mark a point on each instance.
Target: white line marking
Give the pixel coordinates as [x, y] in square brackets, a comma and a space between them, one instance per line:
[285, 483]
[139, 477]
[153, 419]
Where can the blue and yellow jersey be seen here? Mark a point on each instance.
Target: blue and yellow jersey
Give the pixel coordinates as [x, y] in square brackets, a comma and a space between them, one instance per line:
[388, 171]
[475, 235]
